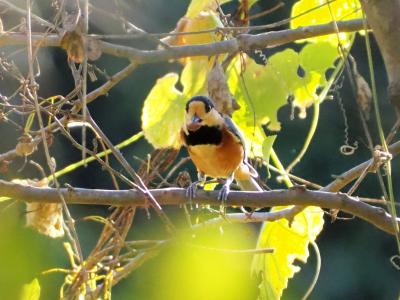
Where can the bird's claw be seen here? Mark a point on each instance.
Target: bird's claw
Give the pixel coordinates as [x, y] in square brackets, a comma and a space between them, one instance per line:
[223, 196]
[191, 192]
[223, 193]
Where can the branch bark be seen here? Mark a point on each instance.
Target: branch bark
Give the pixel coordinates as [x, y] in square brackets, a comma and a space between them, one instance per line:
[175, 196]
[384, 19]
[243, 42]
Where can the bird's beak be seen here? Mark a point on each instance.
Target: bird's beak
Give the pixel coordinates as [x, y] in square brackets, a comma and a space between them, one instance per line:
[195, 123]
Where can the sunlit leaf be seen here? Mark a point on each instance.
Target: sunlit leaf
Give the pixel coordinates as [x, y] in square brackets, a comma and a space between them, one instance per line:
[163, 113]
[266, 149]
[338, 10]
[305, 95]
[266, 93]
[210, 186]
[164, 107]
[290, 243]
[193, 78]
[263, 90]
[203, 21]
[197, 6]
[31, 291]
[200, 16]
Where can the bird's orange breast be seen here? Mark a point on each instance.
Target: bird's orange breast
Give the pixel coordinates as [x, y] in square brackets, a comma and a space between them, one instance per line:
[219, 161]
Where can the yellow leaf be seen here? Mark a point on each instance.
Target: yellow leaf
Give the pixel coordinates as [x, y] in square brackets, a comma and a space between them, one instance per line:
[163, 113]
[31, 291]
[338, 10]
[164, 107]
[290, 243]
[203, 21]
[305, 96]
[210, 186]
[193, 78]
[197, 6]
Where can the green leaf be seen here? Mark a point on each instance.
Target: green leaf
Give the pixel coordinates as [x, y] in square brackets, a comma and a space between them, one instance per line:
[265, 89]
[318, 57]
[290, 243]
[305, 95]
[31, 291]
[338, 10]
[266, 149]
[265, 95]
[270, 86]
[164, 107]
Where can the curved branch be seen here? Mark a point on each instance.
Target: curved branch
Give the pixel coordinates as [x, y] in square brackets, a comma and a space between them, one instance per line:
[174, 196]
[243, 42]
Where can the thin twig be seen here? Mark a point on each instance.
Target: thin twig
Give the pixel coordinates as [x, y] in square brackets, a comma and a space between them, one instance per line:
[50, 164]
[142, 187]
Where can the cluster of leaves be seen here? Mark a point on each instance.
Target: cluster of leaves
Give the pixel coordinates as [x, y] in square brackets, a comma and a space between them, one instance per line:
[260, 90]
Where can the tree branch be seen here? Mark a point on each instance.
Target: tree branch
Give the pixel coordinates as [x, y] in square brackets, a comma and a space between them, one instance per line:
[384, 19]
[243, 42]
[175, 196]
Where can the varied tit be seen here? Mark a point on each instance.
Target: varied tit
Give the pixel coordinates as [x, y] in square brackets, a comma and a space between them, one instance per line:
[216, 147]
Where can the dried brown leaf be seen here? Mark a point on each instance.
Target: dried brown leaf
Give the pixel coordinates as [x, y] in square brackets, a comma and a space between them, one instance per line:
[72, 42]
[218, 90]
[46, 218]
[364, 95]
[25, 145]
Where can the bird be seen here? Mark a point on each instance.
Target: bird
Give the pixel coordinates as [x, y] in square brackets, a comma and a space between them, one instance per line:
[216, 147]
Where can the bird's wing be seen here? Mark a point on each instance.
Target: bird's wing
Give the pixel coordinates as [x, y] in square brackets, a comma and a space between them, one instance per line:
[234, 129]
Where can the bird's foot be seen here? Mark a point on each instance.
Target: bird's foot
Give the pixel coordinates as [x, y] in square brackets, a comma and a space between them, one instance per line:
[223, 196]
[191, 192]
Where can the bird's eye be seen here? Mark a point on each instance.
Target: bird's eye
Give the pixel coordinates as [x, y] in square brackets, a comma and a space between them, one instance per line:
[207, 107]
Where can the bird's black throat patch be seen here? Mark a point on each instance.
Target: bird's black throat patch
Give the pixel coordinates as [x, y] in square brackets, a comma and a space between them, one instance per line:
[205, 135]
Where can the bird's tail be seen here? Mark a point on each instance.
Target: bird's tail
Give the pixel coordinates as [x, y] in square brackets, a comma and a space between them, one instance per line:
[245, 178]
[249, 184]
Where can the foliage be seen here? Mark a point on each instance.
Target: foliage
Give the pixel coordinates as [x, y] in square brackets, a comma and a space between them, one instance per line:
[162, 121]
[290, 241]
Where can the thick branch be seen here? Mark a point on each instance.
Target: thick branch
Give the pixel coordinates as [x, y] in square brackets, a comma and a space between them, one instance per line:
[9, 155]
[384, 19]
[174, 196]
[242, 42]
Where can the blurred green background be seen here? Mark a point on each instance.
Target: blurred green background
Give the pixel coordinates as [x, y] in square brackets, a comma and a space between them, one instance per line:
[355, 255]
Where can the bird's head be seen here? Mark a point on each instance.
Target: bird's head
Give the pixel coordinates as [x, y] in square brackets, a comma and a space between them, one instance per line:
[200, 111]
